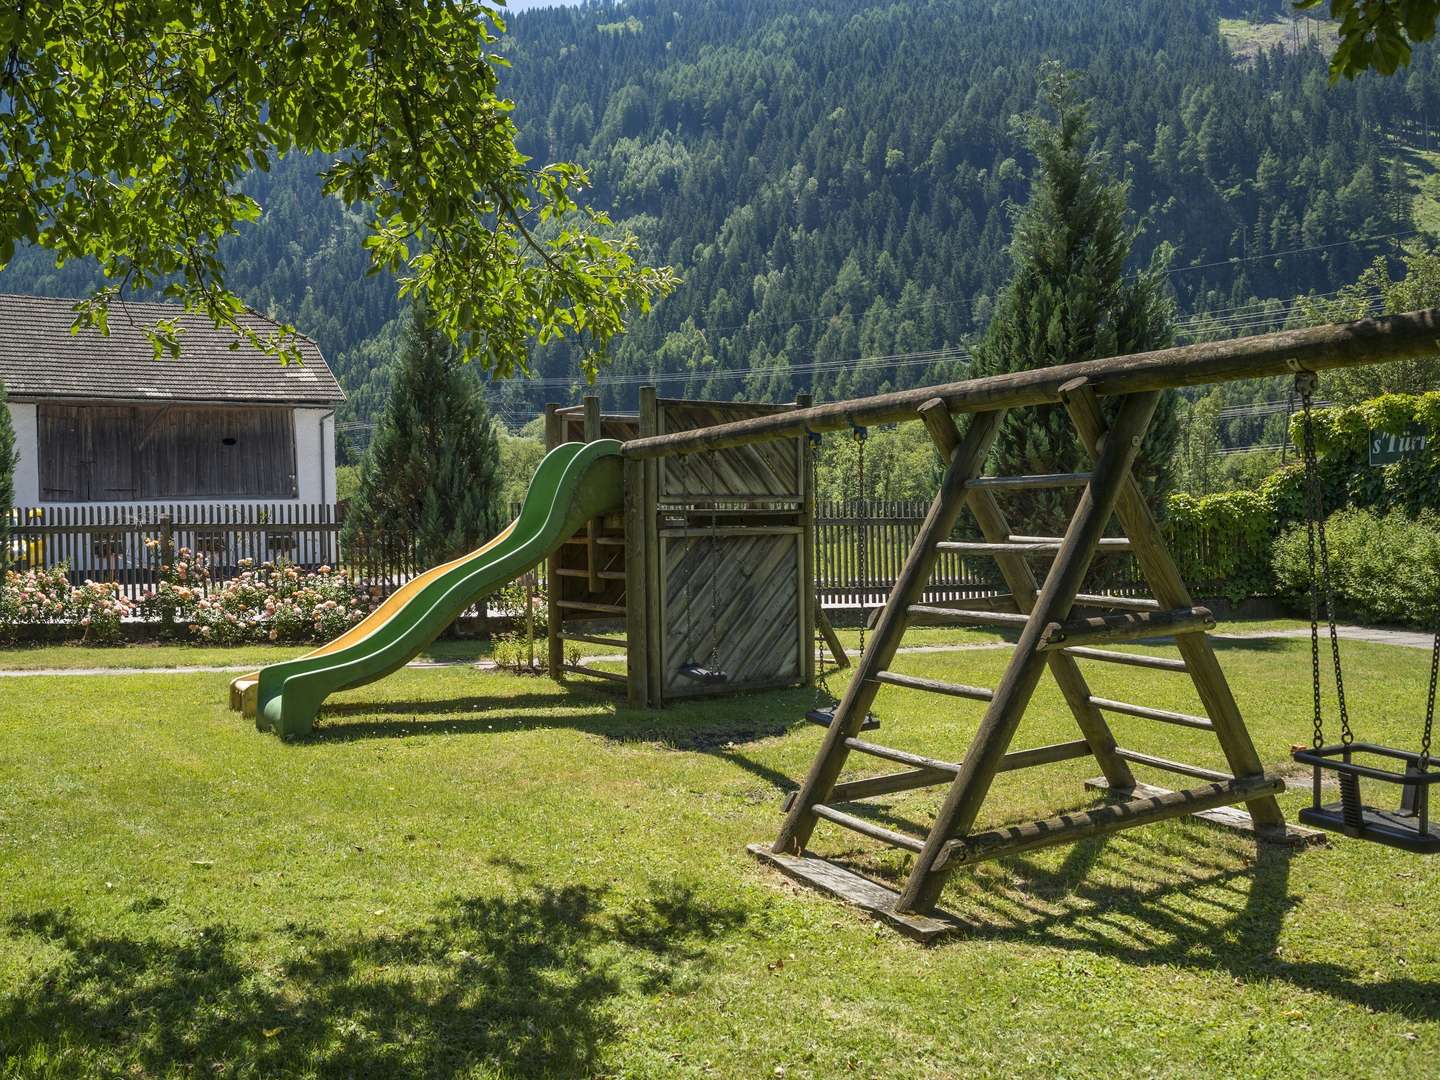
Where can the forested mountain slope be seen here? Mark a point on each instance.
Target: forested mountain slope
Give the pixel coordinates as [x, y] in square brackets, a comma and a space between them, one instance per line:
[832, 179]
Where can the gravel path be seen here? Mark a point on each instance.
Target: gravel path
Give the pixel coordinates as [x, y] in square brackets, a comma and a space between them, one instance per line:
[1409, 639]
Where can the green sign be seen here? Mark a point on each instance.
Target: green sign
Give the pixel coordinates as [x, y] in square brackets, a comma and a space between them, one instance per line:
[1386, 449]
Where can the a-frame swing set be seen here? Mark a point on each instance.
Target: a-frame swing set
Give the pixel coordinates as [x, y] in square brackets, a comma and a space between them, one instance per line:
[1050, 638]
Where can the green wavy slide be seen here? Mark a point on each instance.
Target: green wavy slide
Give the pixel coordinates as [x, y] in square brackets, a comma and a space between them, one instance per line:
[574, 483]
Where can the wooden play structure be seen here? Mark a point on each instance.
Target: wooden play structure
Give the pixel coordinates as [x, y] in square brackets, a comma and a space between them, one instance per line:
[709, 566]
[1110, 403]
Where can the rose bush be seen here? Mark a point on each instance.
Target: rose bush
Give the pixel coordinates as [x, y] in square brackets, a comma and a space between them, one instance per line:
[266, 602]
[46, 597]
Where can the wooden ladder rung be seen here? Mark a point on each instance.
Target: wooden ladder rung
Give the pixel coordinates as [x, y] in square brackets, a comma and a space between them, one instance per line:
[1068, 828]
[592, 639]
[903, 757]
[1109, 656]
[1037, 480]
[594, 672]
[1165, 716]
[1106, 543]
[607, 541]
[928, 771]
[1127, 627]
[1010, 547]
[1125, 603]
[889, 784]
[868, 828]
[1197, 771]
[590, 605]
[604, 575]
[928, 615]
[934, 686]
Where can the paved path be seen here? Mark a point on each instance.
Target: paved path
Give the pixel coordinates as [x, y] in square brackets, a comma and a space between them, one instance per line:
[1409, 639]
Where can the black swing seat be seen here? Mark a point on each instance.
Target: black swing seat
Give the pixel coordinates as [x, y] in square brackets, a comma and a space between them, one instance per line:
[825, 717]
[703, 675]
[1407, 827]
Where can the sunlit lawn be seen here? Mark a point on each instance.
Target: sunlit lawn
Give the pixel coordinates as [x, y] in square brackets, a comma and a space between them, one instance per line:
[470, 874]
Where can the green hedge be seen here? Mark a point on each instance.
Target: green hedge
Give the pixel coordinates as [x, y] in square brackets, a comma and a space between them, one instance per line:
[1385, 568]
[1226, 544]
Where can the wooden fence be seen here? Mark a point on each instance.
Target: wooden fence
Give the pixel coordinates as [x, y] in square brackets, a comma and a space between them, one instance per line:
[859, 548]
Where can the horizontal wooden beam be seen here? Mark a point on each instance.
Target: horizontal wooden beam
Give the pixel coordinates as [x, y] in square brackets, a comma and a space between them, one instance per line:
[934, 686]
[930, 615]
[1120, 603]
[1109, 656]
[1179, 767]
[868, 828]
[1317, 348]
[1140, 624]
[1069, 828]
[1145, 712]
[926, 776]
[1037, 480]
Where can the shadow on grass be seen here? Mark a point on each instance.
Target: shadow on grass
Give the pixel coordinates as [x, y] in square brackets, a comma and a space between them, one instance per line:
[1209, 914]
[710, 726]
[517, 985]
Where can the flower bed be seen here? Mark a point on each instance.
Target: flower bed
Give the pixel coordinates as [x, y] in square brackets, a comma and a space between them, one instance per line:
[94, 610]
[267, 602]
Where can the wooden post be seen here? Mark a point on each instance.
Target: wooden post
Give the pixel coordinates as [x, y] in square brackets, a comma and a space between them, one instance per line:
[637, 652]
[997, 728]
[592, 527]
[1024, 587]
[555, 646]
[965, 463]
[1169, 589]
[651, 641]
[809, 602]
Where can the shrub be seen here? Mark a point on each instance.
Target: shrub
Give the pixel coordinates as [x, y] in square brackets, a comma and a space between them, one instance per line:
[45, 597]
[1384, 568]
[267, 602]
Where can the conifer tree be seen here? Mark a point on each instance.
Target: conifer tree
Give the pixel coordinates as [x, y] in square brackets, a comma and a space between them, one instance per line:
[8, 460]
[430, 478]
[1071, 299]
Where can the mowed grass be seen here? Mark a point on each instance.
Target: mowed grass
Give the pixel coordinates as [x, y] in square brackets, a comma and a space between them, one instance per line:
[471, 874]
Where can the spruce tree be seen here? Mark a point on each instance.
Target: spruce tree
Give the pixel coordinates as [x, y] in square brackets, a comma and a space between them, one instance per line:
[430, 479]
[1071, 299]
[8, 460]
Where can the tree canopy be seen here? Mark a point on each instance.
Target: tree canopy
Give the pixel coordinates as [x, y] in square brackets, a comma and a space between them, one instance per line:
[127, 126]
[1377, 34]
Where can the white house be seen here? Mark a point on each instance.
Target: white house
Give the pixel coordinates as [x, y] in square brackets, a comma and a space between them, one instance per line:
[100, 421]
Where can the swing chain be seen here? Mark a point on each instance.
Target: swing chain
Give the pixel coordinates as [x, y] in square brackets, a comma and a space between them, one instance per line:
[1430, 705]
[860, 435]
[1305, 383]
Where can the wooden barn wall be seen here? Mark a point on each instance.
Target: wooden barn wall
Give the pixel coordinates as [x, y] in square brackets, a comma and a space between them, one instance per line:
[737, 597]
[757, 470]
[119, 453]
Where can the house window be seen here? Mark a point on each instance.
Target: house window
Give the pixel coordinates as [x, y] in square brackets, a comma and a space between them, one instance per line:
[118, 453]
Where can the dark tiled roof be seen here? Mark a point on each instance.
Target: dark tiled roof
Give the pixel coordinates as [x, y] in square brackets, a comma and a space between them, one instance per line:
[41, 358]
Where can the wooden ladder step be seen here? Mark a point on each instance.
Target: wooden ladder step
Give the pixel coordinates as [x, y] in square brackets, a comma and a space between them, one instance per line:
[929, 615]
[589, 605]
[1109, 656]
[903, 757]
[607, 541]
[604, 575]
[593, 639]
[928, 771]
[1023, 545]
[1165, 716]
[1068, 828]
[868, 828]
[1126, 627]
[1125, 603]
[1197, 771]
[934, 686]
[1037, 480]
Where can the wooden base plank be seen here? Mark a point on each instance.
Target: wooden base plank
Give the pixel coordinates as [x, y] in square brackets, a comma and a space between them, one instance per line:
[869, 896]
[1229, 817]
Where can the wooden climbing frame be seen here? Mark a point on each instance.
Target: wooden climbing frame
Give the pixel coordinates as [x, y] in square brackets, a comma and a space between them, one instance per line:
[1049, 640]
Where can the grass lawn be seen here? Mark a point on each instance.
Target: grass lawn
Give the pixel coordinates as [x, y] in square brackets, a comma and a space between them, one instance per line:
[470, 874]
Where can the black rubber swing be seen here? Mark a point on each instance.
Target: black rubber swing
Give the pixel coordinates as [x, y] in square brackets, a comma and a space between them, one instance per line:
[1408, 826]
